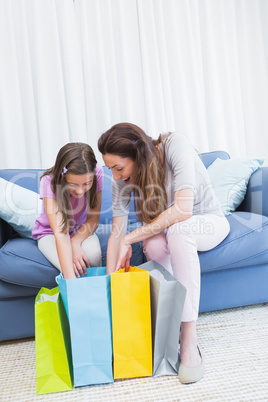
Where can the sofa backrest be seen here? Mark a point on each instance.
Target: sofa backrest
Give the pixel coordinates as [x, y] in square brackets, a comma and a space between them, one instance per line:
[106, 215]
[106, 209]
[27, 178]
[209, 157]
[30, 179]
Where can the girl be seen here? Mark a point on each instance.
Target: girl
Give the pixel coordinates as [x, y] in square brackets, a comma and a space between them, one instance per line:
[181, 215]
[71, 193]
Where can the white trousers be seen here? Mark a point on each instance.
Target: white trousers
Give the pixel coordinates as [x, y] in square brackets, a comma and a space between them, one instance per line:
[176, 249]
[90, 246]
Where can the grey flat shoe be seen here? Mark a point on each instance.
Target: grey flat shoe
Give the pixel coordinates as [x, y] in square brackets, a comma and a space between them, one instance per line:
[187, 374]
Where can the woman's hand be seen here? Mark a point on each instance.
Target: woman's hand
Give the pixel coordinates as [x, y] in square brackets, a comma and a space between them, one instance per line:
[125, 253]
[80, 260]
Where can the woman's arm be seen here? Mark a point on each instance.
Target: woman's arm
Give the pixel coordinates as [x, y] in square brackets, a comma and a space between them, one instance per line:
[119, 230]
[180, 211]
[63, 242]
[80, 260]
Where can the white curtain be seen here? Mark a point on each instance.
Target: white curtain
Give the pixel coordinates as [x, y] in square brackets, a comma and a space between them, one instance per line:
[69, 70]
[112, 65]
[42, 102]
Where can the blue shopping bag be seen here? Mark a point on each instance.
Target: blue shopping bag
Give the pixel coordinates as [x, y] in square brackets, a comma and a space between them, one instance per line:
[87, 301]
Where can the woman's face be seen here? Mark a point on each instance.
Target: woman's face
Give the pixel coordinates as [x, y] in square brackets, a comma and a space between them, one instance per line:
[122, 168]
[79, 184]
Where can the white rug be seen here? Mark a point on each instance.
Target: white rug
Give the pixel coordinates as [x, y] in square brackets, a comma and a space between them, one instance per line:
[235, 348]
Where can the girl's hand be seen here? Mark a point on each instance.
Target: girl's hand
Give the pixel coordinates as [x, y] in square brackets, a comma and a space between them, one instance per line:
[80, 260]
[125, 254]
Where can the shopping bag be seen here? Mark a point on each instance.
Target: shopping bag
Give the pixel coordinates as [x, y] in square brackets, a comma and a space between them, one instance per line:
[167, 302]
[52, 343]
[87, 301]
[131, 320]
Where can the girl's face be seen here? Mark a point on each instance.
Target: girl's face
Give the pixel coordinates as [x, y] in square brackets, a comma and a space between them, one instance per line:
[79, 184]
[122, 168]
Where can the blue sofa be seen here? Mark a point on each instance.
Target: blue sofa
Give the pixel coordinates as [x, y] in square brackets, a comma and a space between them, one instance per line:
[235, 273]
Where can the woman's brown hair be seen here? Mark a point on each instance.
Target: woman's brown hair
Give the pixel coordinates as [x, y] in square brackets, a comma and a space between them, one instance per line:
[130, 141]
[75, 158]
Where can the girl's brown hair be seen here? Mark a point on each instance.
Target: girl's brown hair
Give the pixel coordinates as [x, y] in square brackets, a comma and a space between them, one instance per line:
[75, 158]
[130, 141]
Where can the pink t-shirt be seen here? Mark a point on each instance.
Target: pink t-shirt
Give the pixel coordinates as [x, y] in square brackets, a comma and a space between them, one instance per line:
[79, 207]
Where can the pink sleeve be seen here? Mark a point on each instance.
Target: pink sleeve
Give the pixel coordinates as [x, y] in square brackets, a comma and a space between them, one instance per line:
[99, 175]
[45, 188]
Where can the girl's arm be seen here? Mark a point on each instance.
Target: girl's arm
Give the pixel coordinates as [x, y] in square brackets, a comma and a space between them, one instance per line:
[80, 260]
[180, 211]
[119, 230]
[63, 242]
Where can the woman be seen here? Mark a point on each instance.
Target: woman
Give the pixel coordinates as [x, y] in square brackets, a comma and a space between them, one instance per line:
[179, 210]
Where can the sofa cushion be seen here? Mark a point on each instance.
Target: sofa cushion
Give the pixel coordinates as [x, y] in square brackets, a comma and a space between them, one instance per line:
[10, 291]
[21, 262]
[246, 244]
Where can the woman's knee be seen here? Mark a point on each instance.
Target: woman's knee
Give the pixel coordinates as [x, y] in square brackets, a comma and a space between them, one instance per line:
[155, 247]
[180, 236]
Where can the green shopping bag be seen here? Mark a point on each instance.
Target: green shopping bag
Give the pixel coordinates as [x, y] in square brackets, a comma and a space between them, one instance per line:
[52, 343]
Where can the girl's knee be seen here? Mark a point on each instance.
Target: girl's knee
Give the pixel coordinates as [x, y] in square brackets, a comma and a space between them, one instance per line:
[92, 249]
[95, 260]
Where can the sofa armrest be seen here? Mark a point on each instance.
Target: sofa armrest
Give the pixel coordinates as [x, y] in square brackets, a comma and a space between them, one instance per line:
[5, 232]
[257, 192]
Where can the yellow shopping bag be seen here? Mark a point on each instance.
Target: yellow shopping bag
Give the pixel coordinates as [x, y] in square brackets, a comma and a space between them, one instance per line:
[131, 321]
